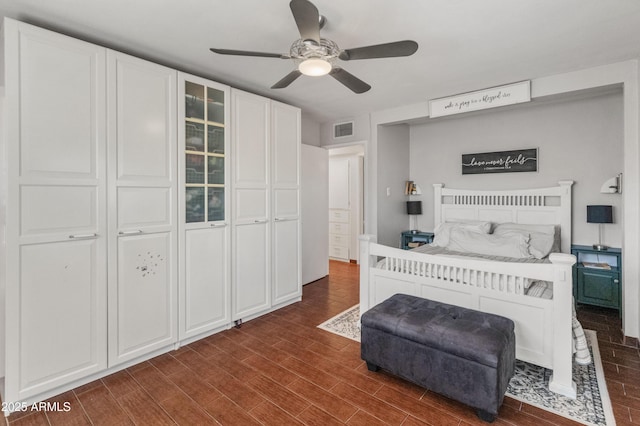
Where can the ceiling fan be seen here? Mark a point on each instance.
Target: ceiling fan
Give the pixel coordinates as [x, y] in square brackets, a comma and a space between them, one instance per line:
[316, 56]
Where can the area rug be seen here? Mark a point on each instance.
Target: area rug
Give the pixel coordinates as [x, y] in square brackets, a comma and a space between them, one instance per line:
[530, 383]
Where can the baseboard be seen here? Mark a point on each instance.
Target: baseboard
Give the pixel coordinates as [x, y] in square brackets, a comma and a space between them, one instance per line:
[631, 341]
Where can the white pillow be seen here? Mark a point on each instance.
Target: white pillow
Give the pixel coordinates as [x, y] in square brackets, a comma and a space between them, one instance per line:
[441, 233]
[542, 237]
[514, 245]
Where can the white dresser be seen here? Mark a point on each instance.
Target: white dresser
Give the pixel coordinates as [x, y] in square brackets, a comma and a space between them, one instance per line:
[339, 234]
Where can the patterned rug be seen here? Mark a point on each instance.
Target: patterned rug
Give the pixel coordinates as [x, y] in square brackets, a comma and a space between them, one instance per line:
[530, 383]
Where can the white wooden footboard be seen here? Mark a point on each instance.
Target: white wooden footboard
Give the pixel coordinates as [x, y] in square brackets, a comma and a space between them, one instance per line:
[543, 327]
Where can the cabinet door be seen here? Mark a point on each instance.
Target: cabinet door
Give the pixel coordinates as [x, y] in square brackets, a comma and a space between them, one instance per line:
[285, 194]
[142, 208]
[206, 293]
[286, 260]
[285, 143]
[56, 274]
[598, 287]
[204, 235]
[251, 287]
[251, 291]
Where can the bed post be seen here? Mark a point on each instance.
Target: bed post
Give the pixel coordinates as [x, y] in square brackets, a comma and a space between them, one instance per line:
[562, 379]
[365, 263]
[565, 220]
[437, 204]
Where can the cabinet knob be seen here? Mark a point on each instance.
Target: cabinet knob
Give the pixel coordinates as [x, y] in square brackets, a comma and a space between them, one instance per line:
[616, 281]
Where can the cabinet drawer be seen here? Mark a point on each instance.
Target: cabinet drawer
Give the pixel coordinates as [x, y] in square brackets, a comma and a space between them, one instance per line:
[339, 228]
[339, 252]
[339, 240]
[339, 215]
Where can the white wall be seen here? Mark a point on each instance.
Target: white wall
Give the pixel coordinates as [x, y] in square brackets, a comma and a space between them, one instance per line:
[310, 131]
[579, 138]
[393, 152]
[3, 221]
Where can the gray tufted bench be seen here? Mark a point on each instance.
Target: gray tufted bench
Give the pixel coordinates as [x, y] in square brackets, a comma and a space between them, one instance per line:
[460, 353]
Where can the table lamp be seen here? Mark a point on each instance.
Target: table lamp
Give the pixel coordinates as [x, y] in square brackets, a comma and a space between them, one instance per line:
[599, 215]
[414, 208]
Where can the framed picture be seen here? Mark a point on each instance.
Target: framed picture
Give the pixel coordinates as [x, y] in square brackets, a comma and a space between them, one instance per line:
[522, 160]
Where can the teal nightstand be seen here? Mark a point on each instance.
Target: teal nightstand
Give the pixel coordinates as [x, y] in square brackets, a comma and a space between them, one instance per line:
[411, 239]
[597, 276]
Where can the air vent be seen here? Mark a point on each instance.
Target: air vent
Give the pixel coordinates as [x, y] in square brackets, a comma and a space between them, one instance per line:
[342, 130]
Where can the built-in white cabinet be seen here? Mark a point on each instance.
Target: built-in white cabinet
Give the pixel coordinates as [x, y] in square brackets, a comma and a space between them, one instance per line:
[285, 193]
[142, 183]
[204, 195]
[56, 228]
[266, 186]
[251, 290]
[134, 194]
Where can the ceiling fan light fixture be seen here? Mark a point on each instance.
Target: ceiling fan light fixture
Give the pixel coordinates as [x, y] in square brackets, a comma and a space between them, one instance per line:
[314, 67]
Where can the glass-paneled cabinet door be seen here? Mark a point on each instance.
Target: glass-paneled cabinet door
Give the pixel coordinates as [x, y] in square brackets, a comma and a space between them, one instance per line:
[205, 145]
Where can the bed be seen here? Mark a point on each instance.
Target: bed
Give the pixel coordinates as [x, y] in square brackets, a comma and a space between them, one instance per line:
[543, 325]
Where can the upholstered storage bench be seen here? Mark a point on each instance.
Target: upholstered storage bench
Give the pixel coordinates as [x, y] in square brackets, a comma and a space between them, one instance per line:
[460, 353]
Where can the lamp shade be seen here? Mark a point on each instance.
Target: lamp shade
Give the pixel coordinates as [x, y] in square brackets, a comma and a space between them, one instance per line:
[414, 207]
[599, 214]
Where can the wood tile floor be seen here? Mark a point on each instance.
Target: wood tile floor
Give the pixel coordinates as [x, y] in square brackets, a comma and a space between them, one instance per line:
[282, 370]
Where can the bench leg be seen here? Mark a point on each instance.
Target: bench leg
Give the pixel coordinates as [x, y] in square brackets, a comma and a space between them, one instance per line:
[372, 367]
[486, 416]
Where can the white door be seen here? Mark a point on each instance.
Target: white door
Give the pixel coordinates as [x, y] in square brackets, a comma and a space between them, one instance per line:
[251, 286]
[204, 243]
[142, 207]
[285, 194]
[314, 196]
[56, 228]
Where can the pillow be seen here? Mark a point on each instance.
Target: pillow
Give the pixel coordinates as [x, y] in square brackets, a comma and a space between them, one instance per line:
[441, 233]
[542, 237]
[514, 245]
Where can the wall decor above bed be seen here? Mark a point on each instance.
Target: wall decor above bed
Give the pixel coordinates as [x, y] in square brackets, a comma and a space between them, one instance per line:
[481, 99]
[522, 160]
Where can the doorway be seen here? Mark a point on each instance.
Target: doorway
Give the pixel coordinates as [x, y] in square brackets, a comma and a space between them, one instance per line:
[346, 201]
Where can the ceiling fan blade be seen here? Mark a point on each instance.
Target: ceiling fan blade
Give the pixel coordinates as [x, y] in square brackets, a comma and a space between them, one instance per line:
[386, 50]
[287, 80]
[307, 19]
[349, 80]
[249, 53]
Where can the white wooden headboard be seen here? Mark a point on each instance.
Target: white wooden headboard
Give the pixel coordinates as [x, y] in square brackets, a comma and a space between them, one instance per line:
[547, 206]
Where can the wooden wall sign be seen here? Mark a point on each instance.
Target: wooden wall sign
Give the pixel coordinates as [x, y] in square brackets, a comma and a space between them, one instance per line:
[482, 99]
[522, 160]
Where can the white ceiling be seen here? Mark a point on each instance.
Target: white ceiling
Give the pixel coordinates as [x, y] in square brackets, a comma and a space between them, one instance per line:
[465, 45]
